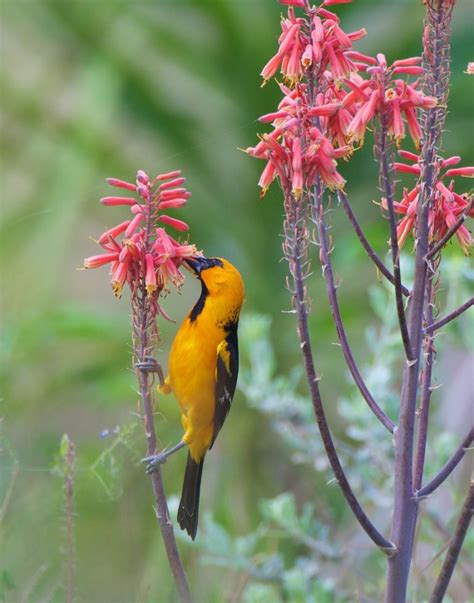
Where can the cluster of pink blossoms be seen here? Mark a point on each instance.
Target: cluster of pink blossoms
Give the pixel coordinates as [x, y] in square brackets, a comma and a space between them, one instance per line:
[326, 117]
[447, 205]
[297, 150]
[146, 253]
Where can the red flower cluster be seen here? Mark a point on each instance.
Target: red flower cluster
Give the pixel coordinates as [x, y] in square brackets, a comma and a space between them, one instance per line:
[146, 253]
[384, 94]
[316, 39]
[446, 207]
[297, 149]
[326, 117]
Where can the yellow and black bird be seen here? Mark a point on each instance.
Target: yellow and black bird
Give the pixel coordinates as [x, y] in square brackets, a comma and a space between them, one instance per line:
[203, 368]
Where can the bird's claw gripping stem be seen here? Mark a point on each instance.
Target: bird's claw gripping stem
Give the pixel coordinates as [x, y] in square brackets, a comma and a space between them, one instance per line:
[153, 461]
[149, 365]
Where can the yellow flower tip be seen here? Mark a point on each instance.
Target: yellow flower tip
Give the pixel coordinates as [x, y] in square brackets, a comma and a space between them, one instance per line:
[297, 192]
[341, 186]
[263, 192]
[398, 141]
[117, 289]
[150, 289]
[264, 83]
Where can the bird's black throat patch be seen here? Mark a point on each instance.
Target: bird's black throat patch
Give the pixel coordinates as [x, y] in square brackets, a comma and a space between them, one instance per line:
[199, 305]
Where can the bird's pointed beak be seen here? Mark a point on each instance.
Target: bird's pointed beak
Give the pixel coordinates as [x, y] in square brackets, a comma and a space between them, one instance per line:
[200, 263]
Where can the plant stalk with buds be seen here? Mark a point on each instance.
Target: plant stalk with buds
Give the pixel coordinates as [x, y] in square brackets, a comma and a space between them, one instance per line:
[332, 95]
[147, 259]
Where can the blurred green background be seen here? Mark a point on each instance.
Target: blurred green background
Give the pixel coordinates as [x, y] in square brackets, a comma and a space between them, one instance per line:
[96, 89]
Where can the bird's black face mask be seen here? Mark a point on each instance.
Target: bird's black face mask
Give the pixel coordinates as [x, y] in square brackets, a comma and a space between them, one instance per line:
[198, 264]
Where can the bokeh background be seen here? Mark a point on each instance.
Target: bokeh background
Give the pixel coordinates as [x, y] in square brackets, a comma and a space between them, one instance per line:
[95, 89]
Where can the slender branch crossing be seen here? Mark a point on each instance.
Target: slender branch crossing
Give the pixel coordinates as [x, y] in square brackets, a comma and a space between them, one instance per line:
[318, 218]
[383, 148]
[449, 317]
[454, 549]
[451, 232]
[365, 243]
[449, 467]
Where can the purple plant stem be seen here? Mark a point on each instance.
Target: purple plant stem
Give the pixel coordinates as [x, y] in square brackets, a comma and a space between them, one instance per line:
[454, 549]
[144, 335]
[318, 218]
[425, 398]
[448, 468]
[464, 555]
[295, 237]
[365, 243]
[162, 513]
[449, 317]
[384, 150]
[451, 232]
[437, 65]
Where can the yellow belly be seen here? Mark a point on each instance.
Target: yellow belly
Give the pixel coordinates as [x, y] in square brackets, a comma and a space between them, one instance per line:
[192, 375]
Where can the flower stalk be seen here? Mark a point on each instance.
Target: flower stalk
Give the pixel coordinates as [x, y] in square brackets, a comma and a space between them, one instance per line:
[147, 260]
[333, 95]
[436, 61]
[143, 345]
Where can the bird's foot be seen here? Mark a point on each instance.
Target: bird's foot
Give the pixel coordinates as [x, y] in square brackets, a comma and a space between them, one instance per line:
[154, 461]
[149, 365]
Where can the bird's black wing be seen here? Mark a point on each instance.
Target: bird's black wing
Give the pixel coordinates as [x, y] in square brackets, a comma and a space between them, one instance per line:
[227, 369]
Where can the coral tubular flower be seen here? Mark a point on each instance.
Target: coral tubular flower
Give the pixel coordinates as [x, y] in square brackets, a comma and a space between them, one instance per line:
[96, 261]
[139, 252]
[118, 201]
[297, 168]
[121, 184]
[174, 223]
[446, 206]
[297, 3]
[150, 276]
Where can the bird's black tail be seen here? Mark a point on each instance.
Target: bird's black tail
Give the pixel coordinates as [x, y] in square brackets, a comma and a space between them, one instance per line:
[188, 511]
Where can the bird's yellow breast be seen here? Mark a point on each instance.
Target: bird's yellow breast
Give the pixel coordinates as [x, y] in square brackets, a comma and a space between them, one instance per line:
[194, 353]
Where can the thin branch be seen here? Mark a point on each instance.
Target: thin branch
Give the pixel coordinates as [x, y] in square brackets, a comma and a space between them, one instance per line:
[449, 467]
[365, 243]
[318, 218]
[449, 317]
[384, 151]
[162, 512]
[464, 555]
[451, 232]
[426, 390]
[454, 549]
[293, 220]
